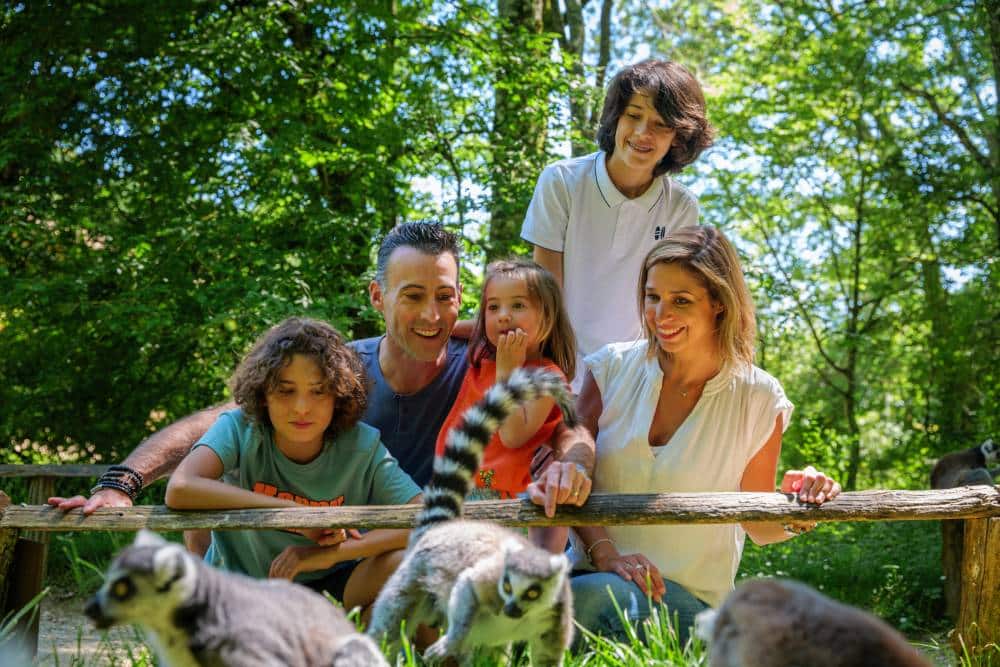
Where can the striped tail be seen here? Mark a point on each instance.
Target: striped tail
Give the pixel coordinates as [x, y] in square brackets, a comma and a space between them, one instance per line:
[455, 469]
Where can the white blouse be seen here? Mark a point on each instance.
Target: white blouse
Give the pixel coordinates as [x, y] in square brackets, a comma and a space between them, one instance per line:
[709, 452]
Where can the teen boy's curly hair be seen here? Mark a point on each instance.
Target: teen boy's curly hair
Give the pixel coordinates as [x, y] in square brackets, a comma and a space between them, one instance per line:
[342, 371]
[677, 97]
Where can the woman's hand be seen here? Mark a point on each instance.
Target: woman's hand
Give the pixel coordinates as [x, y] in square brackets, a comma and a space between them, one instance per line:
[637, 568]
[811, 485]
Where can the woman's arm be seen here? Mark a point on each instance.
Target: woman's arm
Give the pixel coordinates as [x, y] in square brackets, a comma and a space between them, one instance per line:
[759, 476]
[568, 478]
[195, 485]
[810, 485]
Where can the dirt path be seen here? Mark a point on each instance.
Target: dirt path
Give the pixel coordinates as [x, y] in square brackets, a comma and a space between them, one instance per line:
[67, 637]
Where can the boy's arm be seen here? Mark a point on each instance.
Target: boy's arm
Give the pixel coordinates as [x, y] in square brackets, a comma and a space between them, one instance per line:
[154, 458]
[551, 260]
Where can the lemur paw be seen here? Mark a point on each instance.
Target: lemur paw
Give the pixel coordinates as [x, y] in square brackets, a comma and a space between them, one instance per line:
[438, 651]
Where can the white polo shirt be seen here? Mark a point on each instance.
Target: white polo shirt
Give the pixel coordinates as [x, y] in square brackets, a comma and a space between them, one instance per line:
[604, 237]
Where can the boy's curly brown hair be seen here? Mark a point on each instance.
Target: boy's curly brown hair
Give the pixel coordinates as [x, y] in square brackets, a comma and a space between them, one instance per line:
[342, 371]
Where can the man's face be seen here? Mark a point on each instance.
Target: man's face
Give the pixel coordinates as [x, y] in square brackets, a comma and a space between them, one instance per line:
[419, 301]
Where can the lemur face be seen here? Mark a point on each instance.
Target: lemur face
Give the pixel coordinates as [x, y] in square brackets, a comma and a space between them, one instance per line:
[144, 584]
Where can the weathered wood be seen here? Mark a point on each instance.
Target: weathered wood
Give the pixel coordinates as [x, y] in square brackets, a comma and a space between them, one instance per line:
[40, 489]
[601, 509]
[8, 538]
[979, 619]
[51, 470]
[951, 566]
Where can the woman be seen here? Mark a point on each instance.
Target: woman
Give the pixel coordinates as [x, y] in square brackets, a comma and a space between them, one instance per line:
[684, 410]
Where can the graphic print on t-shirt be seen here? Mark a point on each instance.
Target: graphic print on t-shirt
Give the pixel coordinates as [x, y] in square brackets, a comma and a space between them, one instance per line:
[266, 489]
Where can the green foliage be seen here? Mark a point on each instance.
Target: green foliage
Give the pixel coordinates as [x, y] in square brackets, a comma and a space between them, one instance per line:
[856, 165]
[175, 179]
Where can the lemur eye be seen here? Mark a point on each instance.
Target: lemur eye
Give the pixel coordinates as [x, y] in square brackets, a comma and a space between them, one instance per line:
[506, 587]
[122, 588]
[532, 593]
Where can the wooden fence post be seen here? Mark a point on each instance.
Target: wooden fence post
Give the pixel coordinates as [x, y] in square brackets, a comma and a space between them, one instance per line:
[978, 624]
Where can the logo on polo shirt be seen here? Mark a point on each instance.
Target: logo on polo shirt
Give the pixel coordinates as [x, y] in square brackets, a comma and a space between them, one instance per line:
[659, 233]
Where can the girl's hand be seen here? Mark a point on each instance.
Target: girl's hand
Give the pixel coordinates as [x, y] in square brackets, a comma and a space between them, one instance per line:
[811, 485]
[512, 351]
[637, 568]
[328, 537]
[288, 563]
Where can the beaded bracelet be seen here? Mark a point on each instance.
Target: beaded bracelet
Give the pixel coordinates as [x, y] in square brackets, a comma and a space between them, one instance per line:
[132, 474]
[794, 529]
[120, 478]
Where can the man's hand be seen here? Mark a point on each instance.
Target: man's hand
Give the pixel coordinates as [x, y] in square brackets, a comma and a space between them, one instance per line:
[102, 498]
[560, 484]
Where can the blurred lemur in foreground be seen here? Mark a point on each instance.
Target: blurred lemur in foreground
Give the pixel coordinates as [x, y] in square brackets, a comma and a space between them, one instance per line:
[198, 615]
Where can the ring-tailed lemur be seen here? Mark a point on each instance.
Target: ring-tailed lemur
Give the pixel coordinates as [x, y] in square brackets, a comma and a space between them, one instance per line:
[779, 623]
[198, 615]
[967, 467]
[488, 585]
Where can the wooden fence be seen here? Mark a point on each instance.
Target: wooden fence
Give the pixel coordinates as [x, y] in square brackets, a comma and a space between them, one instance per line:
[24, 528]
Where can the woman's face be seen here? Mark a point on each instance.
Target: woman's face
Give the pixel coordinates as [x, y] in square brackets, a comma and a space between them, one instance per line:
[680, 312]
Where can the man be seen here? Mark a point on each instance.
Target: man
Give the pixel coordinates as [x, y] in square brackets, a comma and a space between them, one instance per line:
[414, 373]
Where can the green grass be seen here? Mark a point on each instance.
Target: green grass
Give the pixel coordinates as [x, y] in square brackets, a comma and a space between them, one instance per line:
[889, 568]
[892, 569]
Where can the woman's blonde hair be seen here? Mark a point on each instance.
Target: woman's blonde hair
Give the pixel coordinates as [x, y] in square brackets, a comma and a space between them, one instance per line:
[558, 343]
[708, 254]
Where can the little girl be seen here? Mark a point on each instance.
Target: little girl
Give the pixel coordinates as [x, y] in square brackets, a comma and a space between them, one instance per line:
[296, 439]
[521, 322]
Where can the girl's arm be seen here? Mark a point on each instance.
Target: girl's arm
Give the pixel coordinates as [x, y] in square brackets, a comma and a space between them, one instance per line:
[297, 559]
[517, 429]
[195, 485]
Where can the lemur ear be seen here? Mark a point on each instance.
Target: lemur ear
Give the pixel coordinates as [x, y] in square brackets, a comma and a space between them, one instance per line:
[990, 450]
[147, 538]
[170, 566]
[510, 545]
[559, 563]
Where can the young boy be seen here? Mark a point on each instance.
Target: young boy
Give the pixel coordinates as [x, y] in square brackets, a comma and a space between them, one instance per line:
[592, 219]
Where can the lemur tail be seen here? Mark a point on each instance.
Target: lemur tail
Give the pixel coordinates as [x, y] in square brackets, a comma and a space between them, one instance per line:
[445, 496]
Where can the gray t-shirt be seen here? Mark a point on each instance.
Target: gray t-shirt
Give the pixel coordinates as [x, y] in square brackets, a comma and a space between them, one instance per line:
[353, 469]
[409, 423]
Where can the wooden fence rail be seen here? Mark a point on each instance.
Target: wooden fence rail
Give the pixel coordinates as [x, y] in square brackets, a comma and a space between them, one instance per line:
[978, 625]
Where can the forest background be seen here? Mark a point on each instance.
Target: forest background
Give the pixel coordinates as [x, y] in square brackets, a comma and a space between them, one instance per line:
[175, 177]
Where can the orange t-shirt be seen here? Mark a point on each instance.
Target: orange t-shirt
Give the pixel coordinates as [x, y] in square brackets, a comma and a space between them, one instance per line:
[504, 469]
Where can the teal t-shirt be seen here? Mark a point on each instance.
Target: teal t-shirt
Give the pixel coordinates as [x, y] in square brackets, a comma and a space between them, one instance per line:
[353, 469]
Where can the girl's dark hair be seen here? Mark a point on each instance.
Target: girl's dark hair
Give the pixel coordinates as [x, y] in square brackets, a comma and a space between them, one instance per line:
[675, 94]
[558, 341]
[343, 374]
